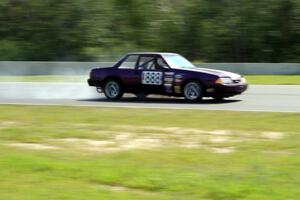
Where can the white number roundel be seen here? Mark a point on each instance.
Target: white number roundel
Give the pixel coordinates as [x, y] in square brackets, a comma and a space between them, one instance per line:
[152, 78]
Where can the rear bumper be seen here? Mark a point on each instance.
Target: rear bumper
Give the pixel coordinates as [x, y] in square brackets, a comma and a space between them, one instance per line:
[227, 90]
[93, 82]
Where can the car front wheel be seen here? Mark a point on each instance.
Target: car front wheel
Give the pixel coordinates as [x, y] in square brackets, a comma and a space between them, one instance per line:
[192, 91]
[113, 90]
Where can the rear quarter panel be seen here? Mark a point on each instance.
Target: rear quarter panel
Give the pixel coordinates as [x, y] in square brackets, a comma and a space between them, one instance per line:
[100, 74]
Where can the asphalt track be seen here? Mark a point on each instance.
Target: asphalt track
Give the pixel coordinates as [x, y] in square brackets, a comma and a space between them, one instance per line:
[268, 98]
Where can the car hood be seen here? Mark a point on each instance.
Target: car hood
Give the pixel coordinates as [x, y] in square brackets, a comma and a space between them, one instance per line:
[219, 73]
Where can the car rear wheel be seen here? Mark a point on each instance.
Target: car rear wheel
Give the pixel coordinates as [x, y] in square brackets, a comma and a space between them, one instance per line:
[113, 90]
[192, 91]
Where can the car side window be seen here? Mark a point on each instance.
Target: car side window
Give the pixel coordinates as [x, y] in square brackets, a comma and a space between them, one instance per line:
[147, 63]
[129, 63]
[161, 63]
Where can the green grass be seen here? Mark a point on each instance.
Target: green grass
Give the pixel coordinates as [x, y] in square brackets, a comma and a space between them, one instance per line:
[252, 79]
[258, 168]
[274, 79]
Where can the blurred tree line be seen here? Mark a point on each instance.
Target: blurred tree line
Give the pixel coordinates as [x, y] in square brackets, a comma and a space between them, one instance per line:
[202, 30]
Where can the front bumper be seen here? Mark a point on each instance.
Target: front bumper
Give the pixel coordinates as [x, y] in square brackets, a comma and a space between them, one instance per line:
[227, 90]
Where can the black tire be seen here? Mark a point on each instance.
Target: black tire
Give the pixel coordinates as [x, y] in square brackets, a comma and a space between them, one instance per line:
[193, 91]
[113, 89]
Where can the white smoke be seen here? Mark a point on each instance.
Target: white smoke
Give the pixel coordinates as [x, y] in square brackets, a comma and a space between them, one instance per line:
[39, 90]
[47, 90]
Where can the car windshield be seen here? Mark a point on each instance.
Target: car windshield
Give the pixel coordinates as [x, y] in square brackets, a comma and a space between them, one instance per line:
[177, 61]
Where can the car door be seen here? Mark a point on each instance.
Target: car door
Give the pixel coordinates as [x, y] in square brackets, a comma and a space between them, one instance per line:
[129, 74]
[151, 75]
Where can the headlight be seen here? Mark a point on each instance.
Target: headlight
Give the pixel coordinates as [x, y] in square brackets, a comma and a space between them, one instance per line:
[243, 80]
[224, 80]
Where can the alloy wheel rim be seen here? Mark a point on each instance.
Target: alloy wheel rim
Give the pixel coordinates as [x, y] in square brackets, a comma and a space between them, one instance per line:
[112, 89]
[192, 91]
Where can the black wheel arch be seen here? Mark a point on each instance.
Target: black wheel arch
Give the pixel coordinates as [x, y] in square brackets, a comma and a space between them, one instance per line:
[115, 78]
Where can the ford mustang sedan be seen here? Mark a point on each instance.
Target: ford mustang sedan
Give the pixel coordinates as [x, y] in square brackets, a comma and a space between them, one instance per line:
[165, 74]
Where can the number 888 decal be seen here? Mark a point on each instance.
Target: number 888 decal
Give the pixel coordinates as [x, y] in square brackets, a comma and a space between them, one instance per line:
[152, 78]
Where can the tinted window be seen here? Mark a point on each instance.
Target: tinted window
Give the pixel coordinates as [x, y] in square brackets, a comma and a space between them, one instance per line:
[147, 63]
[129, 63]
[161, 63]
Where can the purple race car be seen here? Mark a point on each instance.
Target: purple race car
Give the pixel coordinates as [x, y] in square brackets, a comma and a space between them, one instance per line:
[166, 74]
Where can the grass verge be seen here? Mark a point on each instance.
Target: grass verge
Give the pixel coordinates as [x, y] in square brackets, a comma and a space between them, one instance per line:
[113, 153]
[274, 79]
